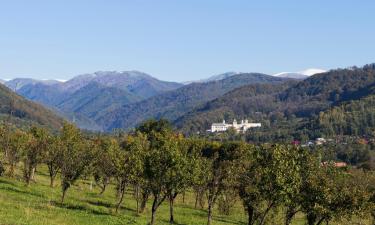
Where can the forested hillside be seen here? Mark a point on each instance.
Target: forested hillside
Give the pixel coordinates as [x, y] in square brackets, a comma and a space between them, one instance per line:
[351, 118]
[174, 104]
[22, 112]
[293, 108]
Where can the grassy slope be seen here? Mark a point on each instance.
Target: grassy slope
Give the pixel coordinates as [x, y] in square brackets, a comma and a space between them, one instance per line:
[39, 204]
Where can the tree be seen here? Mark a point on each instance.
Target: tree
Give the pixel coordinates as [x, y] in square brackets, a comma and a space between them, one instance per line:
[127, 162]
[271, 177]
[182, 176]
[329, 193]
[75, 158]
[136, 147]
[18, 143]
[53, 156]
[103, 168]
[164, 168]
[224, 163]
[34, 153]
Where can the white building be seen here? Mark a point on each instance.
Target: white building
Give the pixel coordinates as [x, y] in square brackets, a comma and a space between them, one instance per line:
[239, 127]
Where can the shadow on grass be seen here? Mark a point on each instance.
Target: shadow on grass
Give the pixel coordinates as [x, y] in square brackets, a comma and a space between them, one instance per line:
[227, 220]
[6, 182]
[109, 205]
[100, 203]
[78, 208]
[176, 223]
[14, 189]
[199, 212]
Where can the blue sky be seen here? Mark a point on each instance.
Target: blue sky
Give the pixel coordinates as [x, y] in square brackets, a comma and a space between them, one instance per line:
[182, 40]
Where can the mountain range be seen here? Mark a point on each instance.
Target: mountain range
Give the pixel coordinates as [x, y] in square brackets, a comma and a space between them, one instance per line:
[81, 98]
[287, 102]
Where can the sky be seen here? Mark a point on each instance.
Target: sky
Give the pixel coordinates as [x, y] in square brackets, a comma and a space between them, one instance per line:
[180, 40]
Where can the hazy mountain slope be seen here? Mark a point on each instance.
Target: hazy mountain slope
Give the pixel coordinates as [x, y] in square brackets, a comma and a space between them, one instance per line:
[25, 111]
[174, 104]
[138, 83]
[18, 83]
[84, 97]
[93, 98]
[48, 95]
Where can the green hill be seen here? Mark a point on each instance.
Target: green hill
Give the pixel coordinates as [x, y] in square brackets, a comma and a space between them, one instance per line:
[22, 112]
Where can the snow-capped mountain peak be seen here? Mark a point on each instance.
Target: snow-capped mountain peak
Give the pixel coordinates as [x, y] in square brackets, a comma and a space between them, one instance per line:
[312, 71]
[300, 74]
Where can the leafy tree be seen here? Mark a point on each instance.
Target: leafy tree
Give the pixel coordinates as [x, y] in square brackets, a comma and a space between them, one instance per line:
[224, 163]
[53, 156]
[182, 171]
[271, 178]
[34, 153]
[18, 143]
[164, 167]
[128, 162]
[329, 193]
[76, 156]
[102, 166]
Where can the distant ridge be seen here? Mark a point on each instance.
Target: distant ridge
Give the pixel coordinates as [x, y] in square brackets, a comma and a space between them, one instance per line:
[173, 104]
[85, 96]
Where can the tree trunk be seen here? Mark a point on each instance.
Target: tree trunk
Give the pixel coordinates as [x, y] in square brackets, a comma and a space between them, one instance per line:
[63, 195]
[183, 197]
[105, 184]
[250, 214]
[311, 218]
[52, 181]
[171, 202]
[137, 197]
[122, 193]
[103, 188]
[196, 200]
[291, 211]
[265, 214]
[11, 170]
[153, 211]
[320, 221]
[209, 216]
[32, 174]
[144, 201]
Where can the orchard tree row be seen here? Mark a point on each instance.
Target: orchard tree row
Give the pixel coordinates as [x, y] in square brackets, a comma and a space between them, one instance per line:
[159, 164]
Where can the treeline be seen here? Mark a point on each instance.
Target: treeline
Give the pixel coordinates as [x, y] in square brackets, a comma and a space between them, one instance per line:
[159, 164]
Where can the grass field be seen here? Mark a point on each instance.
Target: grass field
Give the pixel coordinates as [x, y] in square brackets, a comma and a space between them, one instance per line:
[39, 204]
